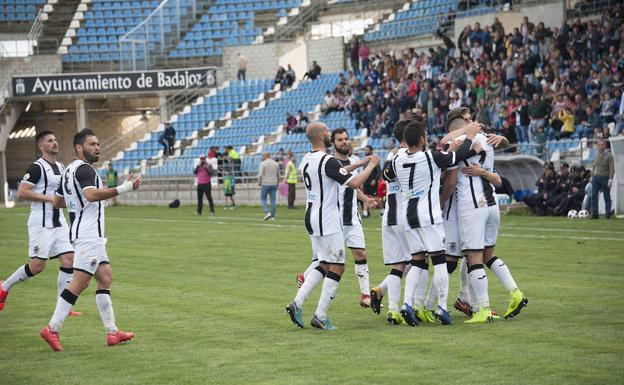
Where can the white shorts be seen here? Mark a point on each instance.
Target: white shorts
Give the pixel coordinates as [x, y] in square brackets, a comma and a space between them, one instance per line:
[329, 248]
[451, 230]
[354, 237]
[472, 228]
[431, 237]
[395, 244]
[90, 254]
[491, 226]
[48, 242]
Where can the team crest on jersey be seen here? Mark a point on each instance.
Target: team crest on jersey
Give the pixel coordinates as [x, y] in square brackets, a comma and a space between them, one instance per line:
[27, 176]
[343, 171]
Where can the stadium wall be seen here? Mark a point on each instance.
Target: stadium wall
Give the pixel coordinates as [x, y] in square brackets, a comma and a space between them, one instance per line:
[264, 59]
[30, 65]
[552, 14]
[21, 152]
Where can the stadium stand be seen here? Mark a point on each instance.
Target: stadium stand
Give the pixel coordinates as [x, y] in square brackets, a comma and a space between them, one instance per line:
[19, 10]
[193, 119]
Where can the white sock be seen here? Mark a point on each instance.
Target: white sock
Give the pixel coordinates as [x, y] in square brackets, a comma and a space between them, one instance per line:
[502, 272]
[479, 283]
[21, 274]
[64, 304]
[384, 285]
[105, 307]
[411, 281]
[421, 269]
[312, 279]
[432, 297]
[464, 282]
[361, 272]
[330, 286]
[64, 276]
[312, 266]
[441, 281]
[394, 289]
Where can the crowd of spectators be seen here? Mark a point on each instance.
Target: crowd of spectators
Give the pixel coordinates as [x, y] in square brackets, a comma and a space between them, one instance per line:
[531, 84]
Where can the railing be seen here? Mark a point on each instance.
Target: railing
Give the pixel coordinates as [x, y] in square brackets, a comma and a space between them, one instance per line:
[562, 150]
[186, 96]
[141, 47]
[128, 135]
[37, 27]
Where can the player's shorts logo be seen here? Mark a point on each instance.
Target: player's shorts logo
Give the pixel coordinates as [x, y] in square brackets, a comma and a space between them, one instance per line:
[453, 246]
[341, 253]
[36, 249]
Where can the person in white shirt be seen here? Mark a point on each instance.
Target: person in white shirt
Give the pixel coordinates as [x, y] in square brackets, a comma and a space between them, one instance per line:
[82, 192]
[322, 176]
[48, 234]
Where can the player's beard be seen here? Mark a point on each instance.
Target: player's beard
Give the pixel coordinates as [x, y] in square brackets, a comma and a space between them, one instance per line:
[327, 142]
[345, 150]
[91, 157]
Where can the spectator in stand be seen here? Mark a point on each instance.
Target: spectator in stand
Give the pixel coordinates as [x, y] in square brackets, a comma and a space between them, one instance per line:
[521, 114]
[279, 76]
[167, 139]
[619, 118]
[268, 179]
[302, 122]
[203, 172]
[330, 103]
[538, 111]
[289, 77]
[313, 73]
[369, 187]
[567, 129]
[364, 52]
[603, 170]
[242, 67]
[355, 56]
[291, 123]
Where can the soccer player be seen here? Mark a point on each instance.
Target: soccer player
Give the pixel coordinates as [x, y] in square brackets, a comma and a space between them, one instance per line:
[396, 243]
[479, 219]
[48, 234]
[418, 173]
[352, 224]
[82, 191]
[322, 176]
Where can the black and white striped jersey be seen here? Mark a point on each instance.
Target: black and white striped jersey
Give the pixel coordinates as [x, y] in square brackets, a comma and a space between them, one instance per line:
[87, 217]
[323, 176]
[392, 211]
[418, 175]
[45, 177]
[347, 199]
[473, 191]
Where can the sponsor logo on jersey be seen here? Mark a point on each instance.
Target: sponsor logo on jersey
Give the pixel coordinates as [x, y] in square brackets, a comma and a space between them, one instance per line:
[409, 194]
[394, 189]
[311, 196]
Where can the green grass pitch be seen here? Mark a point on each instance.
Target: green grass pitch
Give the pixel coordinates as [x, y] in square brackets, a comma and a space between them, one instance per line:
[206, 296]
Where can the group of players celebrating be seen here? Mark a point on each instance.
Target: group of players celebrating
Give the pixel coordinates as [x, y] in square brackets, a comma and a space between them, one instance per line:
[81, 246]
[416, 228]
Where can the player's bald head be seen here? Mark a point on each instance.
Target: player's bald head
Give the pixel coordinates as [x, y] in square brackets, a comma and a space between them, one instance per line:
[314, 129]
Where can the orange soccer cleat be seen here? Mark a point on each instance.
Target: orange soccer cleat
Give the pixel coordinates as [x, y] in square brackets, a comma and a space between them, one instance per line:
[113, 339]
[52, 338]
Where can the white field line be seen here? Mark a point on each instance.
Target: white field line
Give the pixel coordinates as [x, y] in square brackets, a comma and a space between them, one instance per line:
[255, 222]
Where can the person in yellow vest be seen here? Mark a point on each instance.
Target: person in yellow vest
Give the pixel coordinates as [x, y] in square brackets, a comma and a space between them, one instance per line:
[290, 177]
